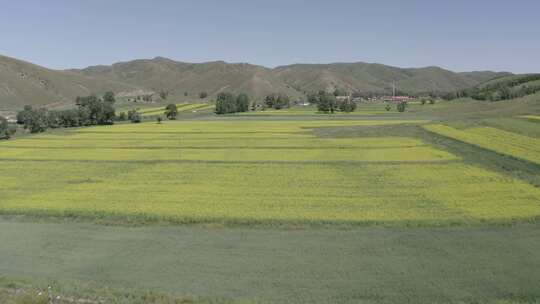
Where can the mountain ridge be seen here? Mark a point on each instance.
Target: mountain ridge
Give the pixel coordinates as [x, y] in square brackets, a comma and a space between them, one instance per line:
[23, 82]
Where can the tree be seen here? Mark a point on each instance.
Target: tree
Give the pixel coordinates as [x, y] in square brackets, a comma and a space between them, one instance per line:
[70, 118]
[312, 98]
[422, 101]
[229, 103]
[53, 119]
[242, 103]
[387, 107]
[225, 103]
[122, 116]
[134, 116]
[5, 132]
[347, 106]
[401, 106]
[326, 102]
[109, 97]
[186, 93]
[203, 95]
[34, 120]
[159, 119]
[95, 111]
[38, 122]
[171, 111]
[340, 92]
[25, 115]
[277, 101]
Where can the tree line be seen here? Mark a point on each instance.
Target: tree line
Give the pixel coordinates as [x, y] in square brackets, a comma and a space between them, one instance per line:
[277, 101]
[90, 111]
[227, 103]
[328, 103]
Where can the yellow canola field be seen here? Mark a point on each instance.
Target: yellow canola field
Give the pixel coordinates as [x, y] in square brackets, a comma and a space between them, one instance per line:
[504, 142]
[253, 171]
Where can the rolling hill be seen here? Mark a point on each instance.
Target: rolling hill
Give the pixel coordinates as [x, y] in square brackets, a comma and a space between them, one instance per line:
[26, 83]
[178, 77]
[377, 78]
[505, 87]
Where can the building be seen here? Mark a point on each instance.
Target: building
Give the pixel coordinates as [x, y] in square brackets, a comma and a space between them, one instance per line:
[401, 98]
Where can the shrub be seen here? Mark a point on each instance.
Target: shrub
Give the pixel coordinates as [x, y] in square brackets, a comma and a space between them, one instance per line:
[134, 116]
[121, 116]
[347, 106]
[401, 106]
[4, 128]
[171, 111]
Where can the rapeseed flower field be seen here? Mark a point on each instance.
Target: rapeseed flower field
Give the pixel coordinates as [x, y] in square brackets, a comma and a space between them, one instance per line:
[254, 172]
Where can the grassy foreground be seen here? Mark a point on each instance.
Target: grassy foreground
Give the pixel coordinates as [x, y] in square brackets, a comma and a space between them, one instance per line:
[367, 265]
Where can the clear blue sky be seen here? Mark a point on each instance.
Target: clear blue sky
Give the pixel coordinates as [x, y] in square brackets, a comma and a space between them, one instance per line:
[455, 34]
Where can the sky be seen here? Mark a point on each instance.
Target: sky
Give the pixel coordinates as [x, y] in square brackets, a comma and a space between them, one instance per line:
[455, 34]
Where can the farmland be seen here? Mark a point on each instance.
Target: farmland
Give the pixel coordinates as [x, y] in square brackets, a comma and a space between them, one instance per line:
[178, 207]
[377, 109]
[269, 152]
[182, 107]
[504, 142]
[187, 174]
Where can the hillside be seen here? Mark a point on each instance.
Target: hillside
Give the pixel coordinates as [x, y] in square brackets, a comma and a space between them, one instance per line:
[213, 77]
[377, 78]
[178, 77]
[25, 83]
[506, 87]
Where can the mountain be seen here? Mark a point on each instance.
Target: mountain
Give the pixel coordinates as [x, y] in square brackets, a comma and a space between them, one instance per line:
[377, 78]
[178, 77]
[26, 83]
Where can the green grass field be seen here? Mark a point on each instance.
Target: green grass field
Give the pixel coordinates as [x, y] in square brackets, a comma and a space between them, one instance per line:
[369, 265]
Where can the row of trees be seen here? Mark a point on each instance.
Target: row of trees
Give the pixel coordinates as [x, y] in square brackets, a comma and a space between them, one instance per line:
[328, 103]
[227, 103]
[164, 94]
[277, 101]
[90, 110]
